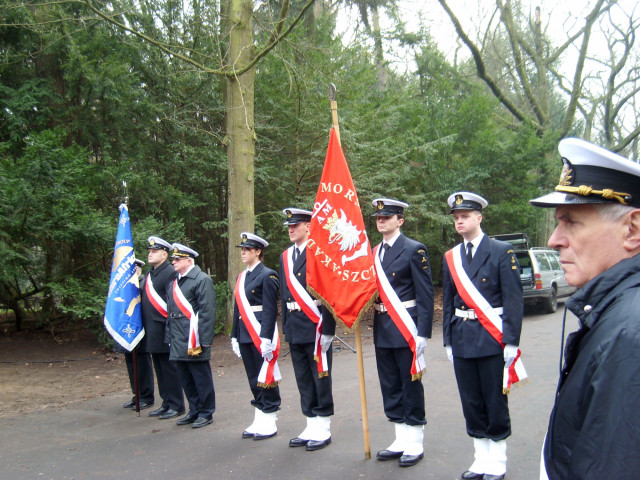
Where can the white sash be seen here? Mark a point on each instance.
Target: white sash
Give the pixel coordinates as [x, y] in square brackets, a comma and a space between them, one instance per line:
[193, 342]
[253, 324]
[309, 307]
[398, 312]
[156, 300]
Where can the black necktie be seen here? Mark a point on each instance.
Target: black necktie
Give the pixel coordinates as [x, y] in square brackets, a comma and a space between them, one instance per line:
[469, 251]
[296, 253]
[385, 248]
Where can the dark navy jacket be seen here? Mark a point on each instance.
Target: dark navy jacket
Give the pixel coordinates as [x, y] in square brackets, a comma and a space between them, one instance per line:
[298, 328]
[495, 272]
[594, 429]
[199, 291]
[154, 323]
[261, 288]
[407, 268]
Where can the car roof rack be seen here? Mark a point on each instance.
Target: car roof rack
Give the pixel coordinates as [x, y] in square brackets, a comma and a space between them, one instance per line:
[520, 241]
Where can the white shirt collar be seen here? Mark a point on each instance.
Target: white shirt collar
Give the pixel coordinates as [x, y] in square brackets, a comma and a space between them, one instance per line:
[476, 241]
[302, 246]
[251, 269]
[185, 273]
[393, 240]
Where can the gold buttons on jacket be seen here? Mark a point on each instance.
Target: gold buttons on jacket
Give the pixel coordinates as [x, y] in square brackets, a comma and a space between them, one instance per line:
[484, 280]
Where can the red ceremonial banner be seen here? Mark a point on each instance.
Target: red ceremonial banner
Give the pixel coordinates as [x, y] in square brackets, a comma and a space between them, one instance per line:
[340, 269]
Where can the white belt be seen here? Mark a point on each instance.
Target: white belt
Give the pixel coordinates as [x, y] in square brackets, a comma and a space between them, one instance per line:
[293, 306]
[256, 308]
[472, 314]
[381, 308]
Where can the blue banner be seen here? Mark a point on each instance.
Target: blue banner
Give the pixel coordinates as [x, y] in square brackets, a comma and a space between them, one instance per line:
[122, 316]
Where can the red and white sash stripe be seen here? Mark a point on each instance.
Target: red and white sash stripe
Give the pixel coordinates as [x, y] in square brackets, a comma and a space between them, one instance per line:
[309, 307]
[156, 300]
[399, 315]
[193, 342]
[487, 316]
[269, 375]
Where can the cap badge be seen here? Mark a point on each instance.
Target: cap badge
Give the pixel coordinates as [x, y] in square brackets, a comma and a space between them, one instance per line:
[289, 214]
[152, 242]
[244, 238]
[380, 204]
[566, 176]
[459, 199]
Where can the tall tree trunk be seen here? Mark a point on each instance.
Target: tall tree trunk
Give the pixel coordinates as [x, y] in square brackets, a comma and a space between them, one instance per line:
[381, 65]
[241, 135]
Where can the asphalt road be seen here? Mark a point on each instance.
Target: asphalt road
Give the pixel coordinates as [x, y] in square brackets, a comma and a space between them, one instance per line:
[98, 439]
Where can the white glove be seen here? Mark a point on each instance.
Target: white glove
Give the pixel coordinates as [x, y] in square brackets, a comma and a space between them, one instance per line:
[449, 352]
[325, 342]
[235, 347]
[421, 344]
[510, 352]
[266, 349]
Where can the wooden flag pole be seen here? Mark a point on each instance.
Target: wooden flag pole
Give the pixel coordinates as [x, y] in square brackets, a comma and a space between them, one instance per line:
[363, 392]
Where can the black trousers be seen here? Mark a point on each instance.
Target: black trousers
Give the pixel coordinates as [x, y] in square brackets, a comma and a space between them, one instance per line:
[316, 398]
[168, 382]
[197, 383]
[145, 375]
[265, 399]
[485, 407]
[402, 398]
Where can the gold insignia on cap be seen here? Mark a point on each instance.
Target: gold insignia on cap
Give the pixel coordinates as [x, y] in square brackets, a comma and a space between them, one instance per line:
[380, 204]
[152, 242]
[566, 176]
[244, 238]
[459, 199]
[289, 214]
[175, 250]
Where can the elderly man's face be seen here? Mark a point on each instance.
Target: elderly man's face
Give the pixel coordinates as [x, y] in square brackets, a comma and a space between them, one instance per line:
[588, 245]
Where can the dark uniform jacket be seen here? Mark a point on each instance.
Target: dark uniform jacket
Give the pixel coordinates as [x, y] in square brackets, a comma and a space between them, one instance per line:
[594, 430]
[198, 289]
[261, 288]
[154, 322]
[495, 272]
[406, 265]
[298, 328]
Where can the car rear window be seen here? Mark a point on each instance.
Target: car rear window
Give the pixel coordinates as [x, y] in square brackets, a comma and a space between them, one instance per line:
[555, 264]
[543, 262]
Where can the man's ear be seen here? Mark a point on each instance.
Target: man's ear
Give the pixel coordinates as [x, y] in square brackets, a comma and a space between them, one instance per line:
[400, 221]
[632, 234]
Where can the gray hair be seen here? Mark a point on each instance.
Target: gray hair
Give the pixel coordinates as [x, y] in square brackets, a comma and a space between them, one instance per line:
[610, 212]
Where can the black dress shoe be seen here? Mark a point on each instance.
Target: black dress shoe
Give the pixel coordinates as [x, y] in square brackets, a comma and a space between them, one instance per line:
[130, 404]
[384, 455]
[298, 442]
[246, 434]
[259, 436]
[492, 477]
[469, 475]
[171, 413]
[158, 411]
[187, 419]
[201, 422]
[410, 460]
[317, 444]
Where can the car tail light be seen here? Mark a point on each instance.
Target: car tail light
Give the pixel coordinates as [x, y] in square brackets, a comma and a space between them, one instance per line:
[538, 279]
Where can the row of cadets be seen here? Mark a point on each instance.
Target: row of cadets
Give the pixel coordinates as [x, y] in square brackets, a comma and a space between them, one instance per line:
[254, 335]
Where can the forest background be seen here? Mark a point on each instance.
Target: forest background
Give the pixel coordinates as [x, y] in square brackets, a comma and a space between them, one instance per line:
[215, 114]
